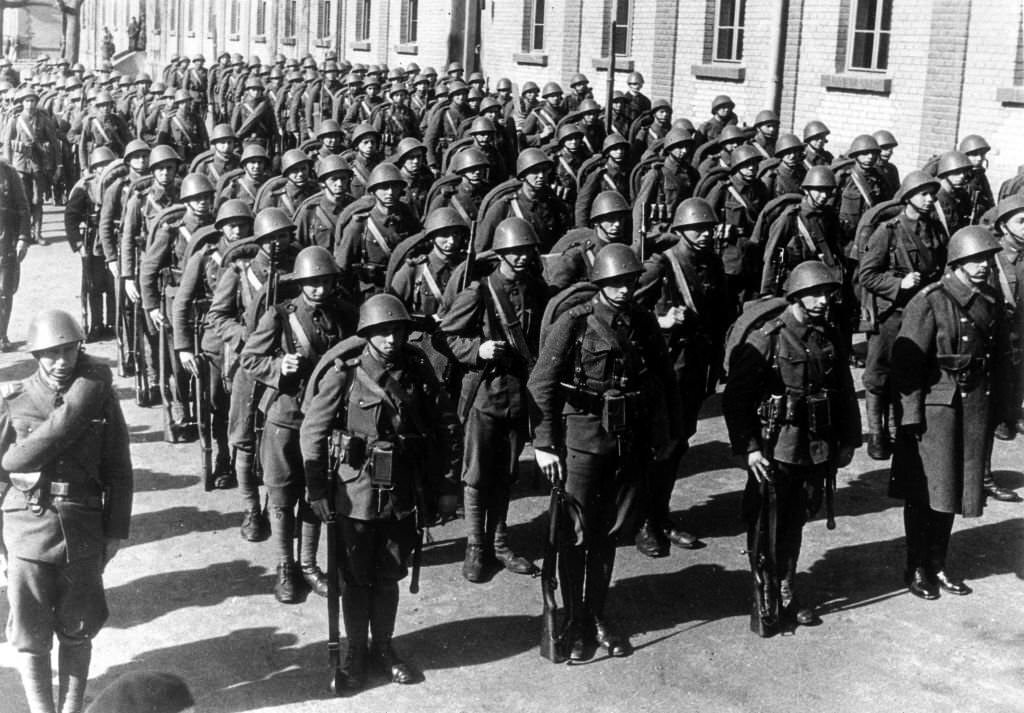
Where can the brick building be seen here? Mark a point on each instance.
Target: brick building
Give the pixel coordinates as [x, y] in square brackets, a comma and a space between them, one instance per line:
[930, 70]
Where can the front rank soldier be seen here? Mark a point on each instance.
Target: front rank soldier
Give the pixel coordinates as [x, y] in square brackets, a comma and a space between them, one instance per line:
[65, 452]
[493, 328]
[199, 280]
[388, 478]
[815, 138]
[903, 256]
[953, 201]
[467, 195]
[184, 128]
[225, 158]
[367, 241]
[571, 260]
[316, 219]
[298, 185]
[792, 413]
[687, 289]
[281, 354]
[15, 237]
[103, 128]
[255, 171]
[948, 366]
[862, 187]
[606, 404]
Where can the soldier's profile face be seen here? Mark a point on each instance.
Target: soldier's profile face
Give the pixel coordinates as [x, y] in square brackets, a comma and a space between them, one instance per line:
[769, 129]
[923, 200]
[815, 302]
[956, 178]
[698, 237]
[885, 154]
[792, 158]
[58, 363]
[817, 143]
[819, 196]
[867, 160]
[232, 230]
[611, 225]
[1014, 225]
[448, 243]
[975, 271]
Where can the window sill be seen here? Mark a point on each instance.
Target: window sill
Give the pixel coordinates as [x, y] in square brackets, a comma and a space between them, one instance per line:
[359, 45]
[1010, 95]
[622, 64]
[235, 37]
[262, 39]
[720, 71]
[155, 31]
[190, 34]
[535, 60]
[857, 83]
[323, 44]
[407, 48]
[290, 41]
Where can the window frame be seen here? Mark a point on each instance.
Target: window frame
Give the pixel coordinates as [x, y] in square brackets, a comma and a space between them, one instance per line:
[261, 18]
[876, 32]
[234, 18]
[531, 28]
[291, 12]
[627, 28]
[323, 20]
[362, 28]
[738, 27]
[409, 30]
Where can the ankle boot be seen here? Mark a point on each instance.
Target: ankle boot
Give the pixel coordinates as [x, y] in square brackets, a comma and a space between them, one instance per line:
[36, 672]
[286, 590]
[879, 445]
[355, 611]
[383, 611]
[509, 559]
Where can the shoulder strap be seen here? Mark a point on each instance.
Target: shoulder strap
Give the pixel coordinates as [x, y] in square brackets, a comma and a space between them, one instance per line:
[681, 282]
[377, 236]
[429, 280]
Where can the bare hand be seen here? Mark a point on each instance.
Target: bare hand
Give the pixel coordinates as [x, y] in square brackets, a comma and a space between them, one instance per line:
[550, 465]
[759, 466]
[493, 350]
[188, 360]
[290, 364]
[22, 249]
[322, 508]
[910, 281]
[131, 290]
[158, 318]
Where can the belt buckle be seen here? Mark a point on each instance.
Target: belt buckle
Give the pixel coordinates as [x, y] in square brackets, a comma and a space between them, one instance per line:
[60, 489]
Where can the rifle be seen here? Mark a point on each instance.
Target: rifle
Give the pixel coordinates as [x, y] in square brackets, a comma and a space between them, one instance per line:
[512, 328]
[975, 204]
[204, 418]
[470, 258]
[642, 235]
[333, 630]
[125, 338]
[139, 343]
[765, 614]
[830, 498]
[554, 640]
[170, 429]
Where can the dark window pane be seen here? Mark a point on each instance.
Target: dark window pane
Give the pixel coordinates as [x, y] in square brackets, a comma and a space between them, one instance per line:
[538, 12]
[883, 51]
[621, 37]
[726, 8]
[724, 49]
[538, 37]
[863, 46]
[865, 15]
[739, 45]
[622, 12]
[886, 14]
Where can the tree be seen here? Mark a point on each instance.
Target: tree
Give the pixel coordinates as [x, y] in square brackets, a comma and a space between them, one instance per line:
[71, 27]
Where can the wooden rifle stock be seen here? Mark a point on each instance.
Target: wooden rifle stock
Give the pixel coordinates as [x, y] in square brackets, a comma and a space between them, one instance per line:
[554, 640]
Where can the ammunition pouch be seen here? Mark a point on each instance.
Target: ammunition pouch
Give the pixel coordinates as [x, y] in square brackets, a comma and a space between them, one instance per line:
[618, 410]
[371, 273]
[810, 411]
[966, 370]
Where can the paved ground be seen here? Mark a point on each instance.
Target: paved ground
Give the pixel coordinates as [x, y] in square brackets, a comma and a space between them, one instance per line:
[188, 595]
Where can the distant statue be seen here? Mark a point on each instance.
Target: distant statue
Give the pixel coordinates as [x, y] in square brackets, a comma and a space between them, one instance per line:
[133, 34]
[141, 43]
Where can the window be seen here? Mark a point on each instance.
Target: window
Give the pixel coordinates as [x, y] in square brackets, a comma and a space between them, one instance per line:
[261, 17]
[236, 16]
[289, 18]
[172, 17]
[363, 10]
[535, 27]
[323, 20]
[410, 21]
[870, 27]
[157, 16]
[190, 18]
[729, 30]
[623, 14]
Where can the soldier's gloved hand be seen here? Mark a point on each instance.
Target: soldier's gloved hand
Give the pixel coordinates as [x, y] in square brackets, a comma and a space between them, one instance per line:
[322, 508]
[844, 457]
[675, 316]
[158, 317]
[131, 290]
[550, 465]
[188, 360]
[492, 350]
[290, 364]
[910, 281]
[759, 466]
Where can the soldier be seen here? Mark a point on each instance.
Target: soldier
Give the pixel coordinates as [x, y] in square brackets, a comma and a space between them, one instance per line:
[605, 402]
[569, 156]
[945, 362]
[492, 328]
[367, 241]
[542, 123]
[327, 94]
[579, 92]
[613, 175]
[592, 123]
[396, 121]
[485, 136]
[788, 176]
[903, 255]
[331, 138]
[362, 108]
[445, 124]
[411, 158]
[886, 169]
[472, 166]
[666, 186]
[65, 452]
[196, 81]
[224, 143]
[365, 140]
[815, 138]
[420, 281]
[722, 115]
[636, 101]
[104, 128]
[571, 260]
[281, 354]
[15, 237]
[862, 187]
[766, 130]
[620, 113]
[517, 110]
[115, 199]
[383, 490]
[31, 144]
[953, 206]
[297, 186]
[316, 219]
[81, 224]
[199, 280]
[978, 186]
[253, 119]
[184, 128]
[534, 202]
[791, 411]
[255, 167]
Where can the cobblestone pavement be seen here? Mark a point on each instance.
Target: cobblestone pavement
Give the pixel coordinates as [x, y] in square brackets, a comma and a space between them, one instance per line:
[188, 595]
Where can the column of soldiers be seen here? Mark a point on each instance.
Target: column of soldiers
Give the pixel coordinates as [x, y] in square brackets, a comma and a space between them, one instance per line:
[366, 290]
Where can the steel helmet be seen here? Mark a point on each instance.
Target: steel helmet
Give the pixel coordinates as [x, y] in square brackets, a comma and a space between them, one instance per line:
[136, 146]
[634, 78]
[551, 88]
[677, 137]
[809, 275]
[530, 159]
[397, 88]
[578, 79]
[444, 219]
[504, 84]
[482, 125]
[864, 143]
[661, 103]
[742, 156]
[788, 143]
[328, 128]
[233, 209]
[968, 242]
[815, 129]
[193, 186]
[181, 95]
[52, 328]
[952, 162]
[1008, 206]
[271, 221]
[313, 262]
[223, 132]
[103, 98]
[254, 82]
[294, 158]
[720, 101]
[412, 68]
[101, 156]
[529, 87]
[331, 166]
[405, 147]
[588, 106]
[454, 67]
[693, 213]
[363, 131]
[766, 116]
[885, 139]
[254, 152]
[162, 154]
[513, 233]
[819, 177]
[381, 309]
[973, 144]
[469, 159]
[384, 174]
[608, 203]
[916, 182]
[615, 260]
[731, 134]
[683, 123]
[612, 141]
[457, 86]
[568, 131]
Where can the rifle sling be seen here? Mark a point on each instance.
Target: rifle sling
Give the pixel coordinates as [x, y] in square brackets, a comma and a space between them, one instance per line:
[681, 282]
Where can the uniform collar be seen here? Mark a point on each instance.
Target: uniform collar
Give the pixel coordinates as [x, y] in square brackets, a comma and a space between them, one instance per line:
[961, 292]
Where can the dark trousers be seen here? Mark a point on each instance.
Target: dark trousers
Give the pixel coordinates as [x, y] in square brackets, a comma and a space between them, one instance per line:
[928, 534]
[489, 467]
[879, 356]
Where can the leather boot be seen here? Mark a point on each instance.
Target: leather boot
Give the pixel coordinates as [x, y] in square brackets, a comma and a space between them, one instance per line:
[315, 579]
[650, 542]
[1005, 431]
[473, 568]
[286, 590]
[509, 559]
[355, 611]
[473, 565]
[879, 444]
[36, 672]
[383, 611]
[73, 675]
[309, 545]
[996, 492]
[611, 641]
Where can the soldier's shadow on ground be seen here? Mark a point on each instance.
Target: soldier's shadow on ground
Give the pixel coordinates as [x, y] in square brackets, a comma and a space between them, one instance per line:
[148, 481]
[863, 574]
[147, 598]
[176, 521]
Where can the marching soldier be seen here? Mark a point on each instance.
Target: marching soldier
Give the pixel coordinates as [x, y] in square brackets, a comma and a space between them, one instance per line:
[104, 128]
[255, 163]
[886, 169]
[946, 362]
[396, 121]
[31, 144]
[636, 101]
[298, 185]
[253, 119]
[722, 115]
[445, 124]
[606, 404]
[361, 110]
[493, 328]
[365, 140]
[541, 125]
[661, 124]
[281, 353]
[420, 282]
[389, 475]
[570, 156]
[115, 199]
[411, 158]
[766, 131]
[66, 454]
[815, 137]
[579, 92]
[571, 260]
[612, 175]
[903, 256]
[184, 128]
[666, 186]
[15, 237]
[223, 142]
[978, 187]
[792, 413]
[485, 135]
[862, 187]
[953, 207]
[331, 138]
[473, 167]
[316, 219]
[788, 175]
